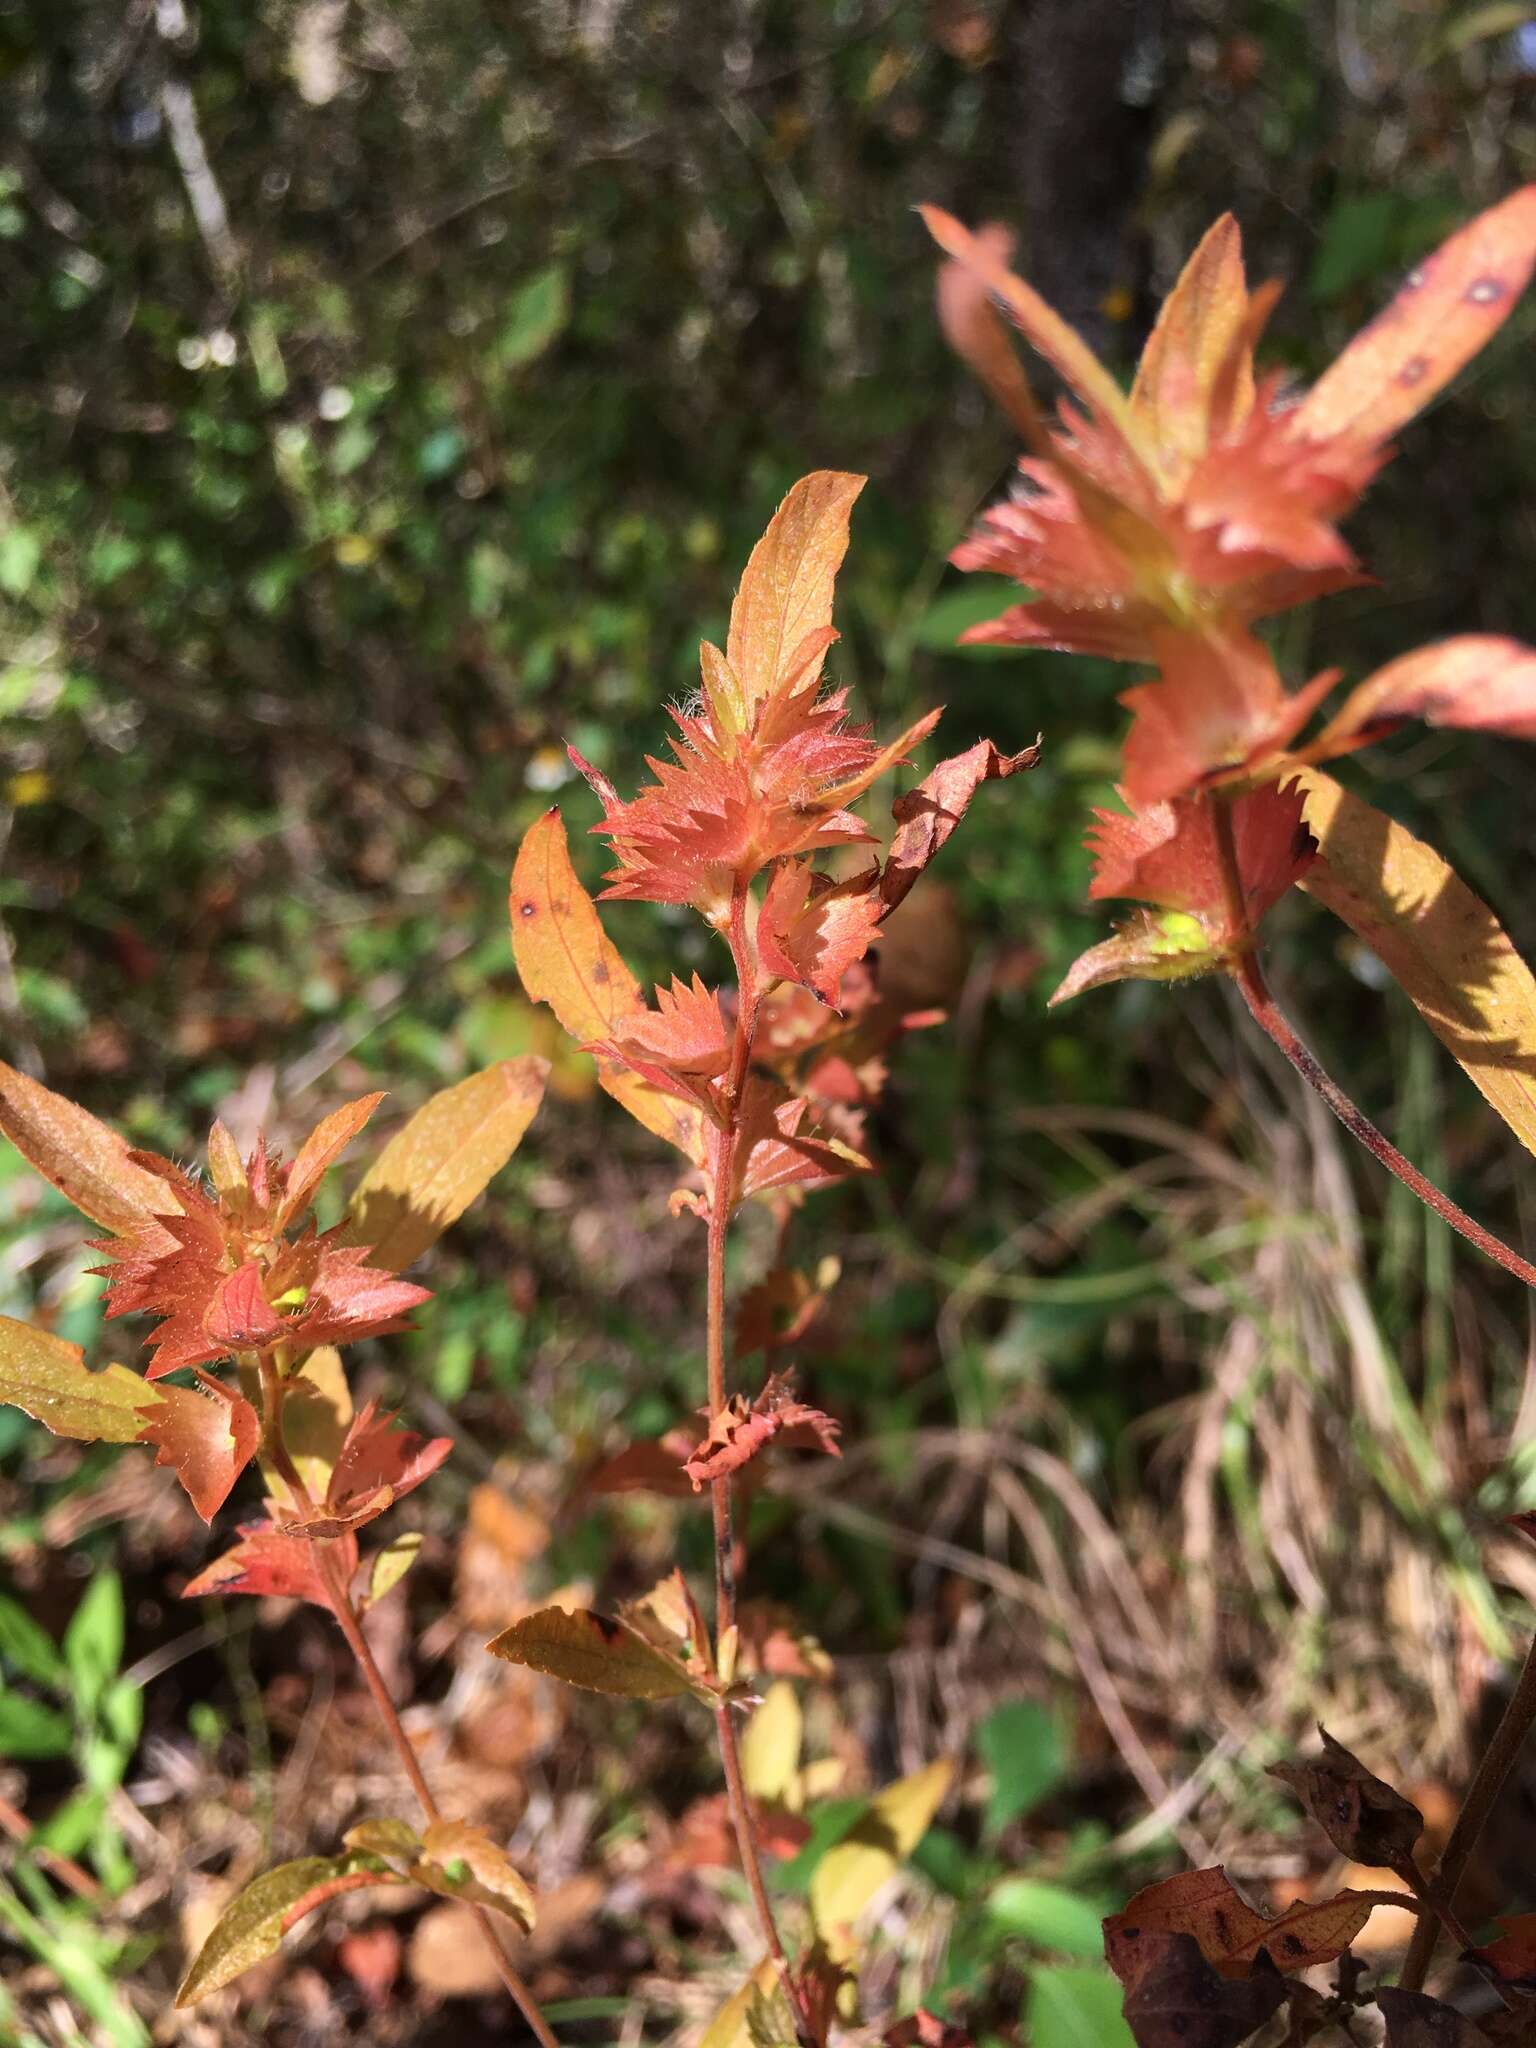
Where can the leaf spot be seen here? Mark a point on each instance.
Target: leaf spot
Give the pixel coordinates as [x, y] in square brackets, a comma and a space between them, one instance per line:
[1414, 371]
[1485, 291]
[526, 909]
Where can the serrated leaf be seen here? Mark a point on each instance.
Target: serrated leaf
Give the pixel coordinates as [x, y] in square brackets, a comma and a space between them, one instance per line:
[567, 960]
[1440, 942]
[253, 1924]
[50, 1381]
[596, 1652]
[858, 1867]
[84, 1159]
[207, 1440]
[449, 1151]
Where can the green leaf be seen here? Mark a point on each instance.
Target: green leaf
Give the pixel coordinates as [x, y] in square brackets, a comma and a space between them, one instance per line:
[72, 1828]
[1069, 2008]
[1478, 24]
[976, 599]
[49, 1380]
[391, 1564]
[29, 1649]
[537, 314]
[21, 552]
[1047, 1914]
[93, 1641]
[253, 1924]
[1020, 1743]
[30, 1730]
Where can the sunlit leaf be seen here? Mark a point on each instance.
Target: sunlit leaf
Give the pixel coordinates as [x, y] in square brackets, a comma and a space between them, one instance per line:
[596, 1652]
[49, 1379]
[430, 1172]
[253, 1924]
[785, 595]
[83, 1158]
[852, 1873]
[770, 1744]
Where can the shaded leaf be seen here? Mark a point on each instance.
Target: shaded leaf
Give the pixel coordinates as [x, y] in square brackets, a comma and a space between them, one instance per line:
[1074, 2008]
[567, 960]
[1483, 682]
[926, 816]
[253, 1924]
[1020, 1743]
[49, 1379]
[730, 2026]
[443, 1158]
[973, 330]
[1359, 1813]
[1415, 2020]
[1179, 2001]
[317, 1413]
[1513, 1955]
[1439, 941]
[30, 1732]
[265, 1561]
[83, 1158]
[390, 1565]
[597, 1652]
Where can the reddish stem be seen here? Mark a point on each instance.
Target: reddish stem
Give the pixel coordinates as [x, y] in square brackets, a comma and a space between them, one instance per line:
[727, 1141]
[15, 1823]
[275, 1450]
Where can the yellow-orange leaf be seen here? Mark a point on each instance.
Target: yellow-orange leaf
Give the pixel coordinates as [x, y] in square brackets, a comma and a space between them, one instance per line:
[596, 1652]
[1201, 322]
[50, 1381]
[83, 1158]
[1438, 940]
[1449, 307]
[430, 1172]
[855, 1870]
[786, 588]
[1204, 1905]
[567, 960]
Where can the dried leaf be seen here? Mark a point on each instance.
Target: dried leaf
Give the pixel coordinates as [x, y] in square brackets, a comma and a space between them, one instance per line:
[1160, 945]
[596, 1652]
[1442, 944]
[81, 1156]
[786, 590]
[252, 1926]
[743, 1428]
[927, 815]
[50, 1381]
[446, 1155]
[207, 1438]
[384, 1836]
[1359, 1813]
[1179, 2001]
[1230, 1934]
[567, 960]
[855, 1870]
[1449, 307]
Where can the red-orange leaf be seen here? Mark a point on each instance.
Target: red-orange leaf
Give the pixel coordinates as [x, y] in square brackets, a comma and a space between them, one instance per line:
[1201, 322]
[266, 1561]
[320, 1150]
[83, 1158]
[1513, 1956]
[1481, 681]
[207, 1438]
[1450, 306]
[744, 1428]
[927, 815]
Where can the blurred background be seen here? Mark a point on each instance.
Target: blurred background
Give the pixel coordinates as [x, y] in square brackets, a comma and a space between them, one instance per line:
[391, 393]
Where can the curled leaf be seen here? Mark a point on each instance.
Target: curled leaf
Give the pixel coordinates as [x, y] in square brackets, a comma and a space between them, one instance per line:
[459, 1861]
[443, 1158]
[596, 1652]
[1230, 1934]
[744, 1428]
[926, 816]
[1359, 1813]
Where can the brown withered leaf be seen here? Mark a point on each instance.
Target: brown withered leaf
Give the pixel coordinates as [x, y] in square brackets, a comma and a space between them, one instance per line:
[744, 1428]
[924, 2029]
[1180, 2001]
[1228, 1931]
[1359, 1813]
[1415, 2020]
[926, 816]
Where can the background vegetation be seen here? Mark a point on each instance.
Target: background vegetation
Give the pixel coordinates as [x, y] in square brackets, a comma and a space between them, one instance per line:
[392, 393]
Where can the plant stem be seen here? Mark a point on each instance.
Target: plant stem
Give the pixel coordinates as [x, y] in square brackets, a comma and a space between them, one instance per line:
[727, 1139]
[373, 1678]
[1482, 1795]
[1266, 1013]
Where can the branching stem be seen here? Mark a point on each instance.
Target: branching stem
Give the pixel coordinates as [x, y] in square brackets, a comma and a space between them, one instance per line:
[276, 1453]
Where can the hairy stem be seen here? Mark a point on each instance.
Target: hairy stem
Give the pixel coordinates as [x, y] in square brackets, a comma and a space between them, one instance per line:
[727, 1142]
[1482, 1796]
[1249, 976]
[373, 1678]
